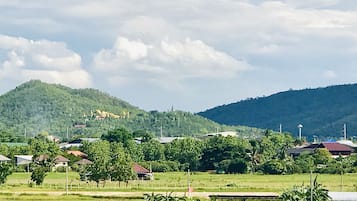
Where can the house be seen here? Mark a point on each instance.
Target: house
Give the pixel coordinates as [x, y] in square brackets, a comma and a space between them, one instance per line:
[336, 149]
[60, 161]
[142, 173]
[77, 142]
[23, 159]
[83, 162]
[296, 151]
[77, 153]
[4, 159]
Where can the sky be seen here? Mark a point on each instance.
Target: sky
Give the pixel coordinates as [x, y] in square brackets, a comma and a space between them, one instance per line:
[191, 55]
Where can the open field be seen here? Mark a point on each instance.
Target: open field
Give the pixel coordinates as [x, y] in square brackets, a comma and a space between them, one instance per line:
[50, 197]
[177, 182]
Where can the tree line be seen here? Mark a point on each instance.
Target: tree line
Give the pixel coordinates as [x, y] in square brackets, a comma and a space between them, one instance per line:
[112, 156]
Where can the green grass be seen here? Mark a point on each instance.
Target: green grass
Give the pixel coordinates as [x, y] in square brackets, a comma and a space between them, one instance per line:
[44, 197]
[177, 182]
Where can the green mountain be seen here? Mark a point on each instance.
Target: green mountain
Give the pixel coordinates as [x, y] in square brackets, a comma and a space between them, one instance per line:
[321, 111]
[35, 107]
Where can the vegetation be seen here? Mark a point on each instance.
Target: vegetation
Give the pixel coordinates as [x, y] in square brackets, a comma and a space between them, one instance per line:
[35, 107]
[307, 193]
[322, 111]
[5, 171]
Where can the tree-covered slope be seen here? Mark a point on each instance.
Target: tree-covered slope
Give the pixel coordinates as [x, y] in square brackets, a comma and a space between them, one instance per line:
[35, 106]
[321, 111]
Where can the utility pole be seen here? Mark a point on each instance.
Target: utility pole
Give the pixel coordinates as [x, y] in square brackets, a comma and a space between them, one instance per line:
[344, 132]
[280, 128]
[188, 183]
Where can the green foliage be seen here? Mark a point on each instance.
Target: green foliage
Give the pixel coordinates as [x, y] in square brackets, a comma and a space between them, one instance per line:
[35, 106]
[322, 111]
[153, 150]
[5, 170]
[38, 174]
[167, 197]
[219, 148]
[186, 151]
[99, 153]
[161, 166]
[307, 193]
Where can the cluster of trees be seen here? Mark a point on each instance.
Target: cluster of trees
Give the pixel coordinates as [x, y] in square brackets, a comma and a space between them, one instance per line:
[113, 155]
[266, 155]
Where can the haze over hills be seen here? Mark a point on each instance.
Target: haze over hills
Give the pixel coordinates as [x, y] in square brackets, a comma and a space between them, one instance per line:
[321, 111]
[35, 106]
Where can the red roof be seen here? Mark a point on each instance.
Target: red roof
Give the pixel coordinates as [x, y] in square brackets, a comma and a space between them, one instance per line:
[139, 169]
[334, 146]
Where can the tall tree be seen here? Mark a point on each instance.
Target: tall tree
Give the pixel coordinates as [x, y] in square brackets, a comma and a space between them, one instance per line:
[219, 148]
[186, 151]
[99, 153]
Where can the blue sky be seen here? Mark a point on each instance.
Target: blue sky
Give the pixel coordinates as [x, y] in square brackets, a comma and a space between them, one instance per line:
[189, 54]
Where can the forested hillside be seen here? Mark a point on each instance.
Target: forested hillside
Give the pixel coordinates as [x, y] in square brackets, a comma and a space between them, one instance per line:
[321, 111]
[35, 107]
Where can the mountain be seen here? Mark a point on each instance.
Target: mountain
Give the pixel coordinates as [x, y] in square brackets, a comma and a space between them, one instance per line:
[321, 111]
[35, 107]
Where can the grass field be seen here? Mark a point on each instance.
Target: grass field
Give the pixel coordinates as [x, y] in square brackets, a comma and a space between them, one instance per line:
[177, 182]
[45, 197]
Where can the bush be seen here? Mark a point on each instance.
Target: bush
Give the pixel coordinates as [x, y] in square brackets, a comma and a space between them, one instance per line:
[274, 167]
[304, 193]
[162, 166]
[5, 170]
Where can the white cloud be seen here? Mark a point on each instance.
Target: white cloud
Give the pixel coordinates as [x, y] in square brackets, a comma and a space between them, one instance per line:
[49, 61]
[169, 62]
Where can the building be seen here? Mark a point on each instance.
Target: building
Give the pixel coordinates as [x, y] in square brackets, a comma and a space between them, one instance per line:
[336, 149]
[142, 173]
[23, 159]
[4, 159]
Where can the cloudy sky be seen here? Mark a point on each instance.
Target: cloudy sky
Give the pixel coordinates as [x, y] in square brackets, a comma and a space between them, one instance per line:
[189, 54]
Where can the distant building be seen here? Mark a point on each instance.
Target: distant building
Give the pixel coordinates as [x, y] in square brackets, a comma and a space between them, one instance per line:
[23, 159]
[336, 149]
[4, 159]
[166, 140]
[77, 153]
[142, 173]
[224, 134]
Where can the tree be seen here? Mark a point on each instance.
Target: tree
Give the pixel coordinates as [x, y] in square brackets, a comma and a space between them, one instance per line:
[274, 167]
[5, 170]
[38, 174]
[99, 153]
[219, 148]
[186, 151]
[144, 135]
[153, 150]
[119, 135]
[238, 166]
[120, 165]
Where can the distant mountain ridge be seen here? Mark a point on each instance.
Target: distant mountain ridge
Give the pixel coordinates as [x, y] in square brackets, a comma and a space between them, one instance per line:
[321, 111]
[35, 107]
